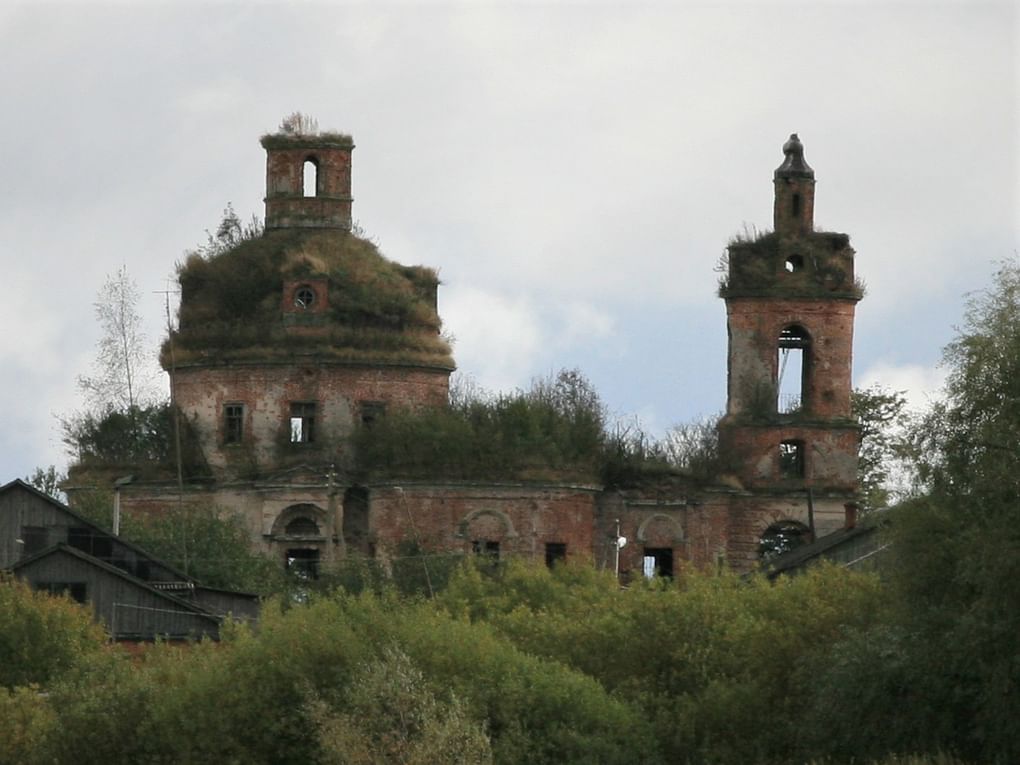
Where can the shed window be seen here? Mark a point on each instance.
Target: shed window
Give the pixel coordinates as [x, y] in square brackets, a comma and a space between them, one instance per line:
[35, 539]
[302, 423]
[77, 591]
[91, 542]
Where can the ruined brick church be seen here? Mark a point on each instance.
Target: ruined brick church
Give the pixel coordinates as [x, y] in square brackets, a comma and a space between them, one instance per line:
[273, 382]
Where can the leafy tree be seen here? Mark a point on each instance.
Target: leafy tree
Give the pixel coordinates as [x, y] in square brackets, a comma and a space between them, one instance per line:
[47, 481]
[882, 416]
[213, 547]
[943, 671]
[41, 636]
[119, 380]
[694, 447]
[391, 715]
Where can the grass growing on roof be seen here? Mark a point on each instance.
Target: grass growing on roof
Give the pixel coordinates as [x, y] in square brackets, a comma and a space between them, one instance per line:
[378, 310]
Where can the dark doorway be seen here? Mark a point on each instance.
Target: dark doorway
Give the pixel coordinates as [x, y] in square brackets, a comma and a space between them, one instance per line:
[303, 563]
[658, 561]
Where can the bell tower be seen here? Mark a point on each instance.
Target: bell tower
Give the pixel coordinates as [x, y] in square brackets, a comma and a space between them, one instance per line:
[790, 299]
[308, 180]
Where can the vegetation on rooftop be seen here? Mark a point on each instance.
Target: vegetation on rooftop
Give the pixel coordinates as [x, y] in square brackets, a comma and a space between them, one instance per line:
[558, 430]
[298, 130]
[232, 300]
[755, 264]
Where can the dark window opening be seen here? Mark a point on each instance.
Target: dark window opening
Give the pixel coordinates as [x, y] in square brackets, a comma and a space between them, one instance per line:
[794, 263]
[76, 590]
[304, 297]
[371, 411]
[93, 543]
[303, 564]
[781, 537]
[795, 207]
[233, 423]
[302, 527]
[657, 561]
[302, 423]
[310, 179]
[791, 459]
[793, 362]
[554, 553]
[35, 539]
[485, 547]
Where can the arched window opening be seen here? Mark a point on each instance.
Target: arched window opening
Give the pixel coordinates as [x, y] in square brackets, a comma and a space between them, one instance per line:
[795, 207]
[782, 537]
[310, 181]
[302, 527]
[791, 459]
[794, 368]
[304, 297]
[794, 263]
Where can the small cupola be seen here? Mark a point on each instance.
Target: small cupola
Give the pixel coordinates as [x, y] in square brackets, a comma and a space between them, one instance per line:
[308, 176]
[793, 213]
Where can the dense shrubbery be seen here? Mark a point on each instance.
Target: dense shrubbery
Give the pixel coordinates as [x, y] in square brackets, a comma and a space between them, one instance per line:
[509, 665]
[139, 439]
[556, 430]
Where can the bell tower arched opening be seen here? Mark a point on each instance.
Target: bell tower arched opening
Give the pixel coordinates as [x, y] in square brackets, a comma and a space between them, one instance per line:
[793, 367]
[310, 178]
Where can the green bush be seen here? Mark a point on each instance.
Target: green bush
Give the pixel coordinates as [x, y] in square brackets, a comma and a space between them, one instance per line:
[42, 636]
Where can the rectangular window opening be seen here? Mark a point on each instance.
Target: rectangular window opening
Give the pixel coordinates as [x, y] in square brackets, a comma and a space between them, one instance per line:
[35, 539]
[233, 423]
[76, 590]
[791, 459]
[303, 563]
[302, 423]
[657, 561]
[555, 552]
[371, 411]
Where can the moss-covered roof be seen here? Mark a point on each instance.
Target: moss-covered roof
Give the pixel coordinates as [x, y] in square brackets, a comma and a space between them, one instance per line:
[378, 311]
[819, 264]
[302, 141]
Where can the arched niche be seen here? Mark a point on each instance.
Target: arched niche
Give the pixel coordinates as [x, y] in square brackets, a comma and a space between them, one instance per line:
[675, 532]
[301, 521]
[502, 520]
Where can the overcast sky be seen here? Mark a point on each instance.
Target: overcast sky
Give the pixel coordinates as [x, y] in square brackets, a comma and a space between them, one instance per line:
[573, 170]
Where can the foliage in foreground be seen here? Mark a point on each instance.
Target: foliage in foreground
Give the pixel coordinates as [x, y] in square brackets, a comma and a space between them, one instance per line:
[510, 665]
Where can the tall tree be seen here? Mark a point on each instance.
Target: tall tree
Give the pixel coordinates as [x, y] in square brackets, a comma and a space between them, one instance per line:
[958, 547]
[883, 419]
[120, 380]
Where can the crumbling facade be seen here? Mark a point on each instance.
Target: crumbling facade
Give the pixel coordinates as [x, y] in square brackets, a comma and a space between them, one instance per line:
[290, 342]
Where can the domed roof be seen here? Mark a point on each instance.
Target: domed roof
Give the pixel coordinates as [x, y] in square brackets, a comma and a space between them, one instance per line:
[371, 310]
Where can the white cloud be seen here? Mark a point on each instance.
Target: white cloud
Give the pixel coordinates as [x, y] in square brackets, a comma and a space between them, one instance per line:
[921, 384]
[498, 339]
